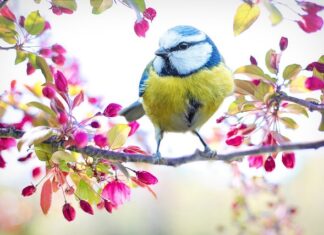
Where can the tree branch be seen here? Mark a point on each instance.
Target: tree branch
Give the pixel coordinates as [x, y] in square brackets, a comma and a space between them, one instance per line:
[197, 156]
[310, 105]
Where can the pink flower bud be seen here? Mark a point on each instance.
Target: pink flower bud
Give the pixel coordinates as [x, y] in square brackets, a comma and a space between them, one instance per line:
[314, 83]
[288, 159]
[68, 212]
[2, 162]
[149, 13]
[56, 10]
[36, 172]
[242, 126]
[235, 141]
[28, 191]
[58, 49]
[62, 118]
[100, 140]
[310, 23]
[108, 206]
[95, 124]
[22, 21]
[86, 207]
[232, 132]
[66, 10]
[317, 65]
[141, 26]
[46, 52]
[58, 59]
[283, 43]
[134, 126]
[7, 13]
[47, 25]
[255, 161]
[253, 60]
[274, 61]
[80, 139]
[7, 143]
[220, 119]
[146, 177]
[30, 69]
[269, 164]
[117, 192]
[60, 82]
[23, 159]
[310, 7]
[112, 110]
[49, 92]
[256, 82]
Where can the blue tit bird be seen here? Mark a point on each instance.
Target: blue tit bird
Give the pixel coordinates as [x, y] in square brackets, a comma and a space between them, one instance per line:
[183, 86]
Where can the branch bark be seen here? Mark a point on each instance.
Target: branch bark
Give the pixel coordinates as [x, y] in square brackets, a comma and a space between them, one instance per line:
[151, 159]
[310, 105]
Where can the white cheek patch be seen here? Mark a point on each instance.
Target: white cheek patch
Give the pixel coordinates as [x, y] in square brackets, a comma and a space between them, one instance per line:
[172, 39]
[158, 64]
[191, 59]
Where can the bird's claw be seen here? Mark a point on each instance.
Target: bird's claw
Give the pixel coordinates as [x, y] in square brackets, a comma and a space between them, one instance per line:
[156, 157]
[210, 153]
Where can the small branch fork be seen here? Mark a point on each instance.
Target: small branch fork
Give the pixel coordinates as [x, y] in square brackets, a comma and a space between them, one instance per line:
[310, 105]
[176, 161]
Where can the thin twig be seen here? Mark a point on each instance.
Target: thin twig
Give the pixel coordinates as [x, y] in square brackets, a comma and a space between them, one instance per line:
[310, 105]
[151, 159]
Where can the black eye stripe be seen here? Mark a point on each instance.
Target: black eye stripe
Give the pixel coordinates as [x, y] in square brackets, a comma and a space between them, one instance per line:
[184, 45]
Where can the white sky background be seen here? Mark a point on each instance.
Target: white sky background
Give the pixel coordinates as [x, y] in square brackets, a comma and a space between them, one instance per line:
[112, 57]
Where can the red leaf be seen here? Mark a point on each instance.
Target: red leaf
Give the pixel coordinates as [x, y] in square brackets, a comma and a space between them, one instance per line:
[46, 196]
[78, 100]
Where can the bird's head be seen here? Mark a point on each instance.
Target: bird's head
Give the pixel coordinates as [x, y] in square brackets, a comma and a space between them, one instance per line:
[183, 51]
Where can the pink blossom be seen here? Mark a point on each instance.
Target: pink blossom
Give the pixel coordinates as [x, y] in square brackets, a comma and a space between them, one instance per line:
[80, 139]
[310, 7]
[235, 141]
[112, 110]
[134, 126]
[117, 192]
[283, 43]
[58, 48]
[62, 118]
[49, 92]
[232, 132]
[7, 143]
[317, 65]
[288, 159]
[146, 177]
[310, 23]
[58, 59]
[47, 25]
[141, 26]
[36, 172]
[28, 191]
[149, 13]
[255, 161]
[30, 69]
[7, 13]
[60, 82]
[269, 164]
[2, 162]
[46, 52]
[314, 83]
[220, 119]
[100, 140]
[68, 212]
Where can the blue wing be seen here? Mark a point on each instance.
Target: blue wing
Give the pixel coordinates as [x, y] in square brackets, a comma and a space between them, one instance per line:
[145, 75]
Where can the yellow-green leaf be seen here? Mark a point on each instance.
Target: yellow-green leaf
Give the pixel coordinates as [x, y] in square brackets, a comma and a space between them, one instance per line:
[291, 71]
[7, 24]
[263, 89]
[99, 6]
[86, 192]
[296, 109]
[289, 122]
[244, 87]
[42, 107]
[297, 85]
[268, 61]
[117, 135]
[41, 63]
[20, 56]
[44, 151]
[35, 136]
[34, 23]
[69, 4]
[321, 126]
[245, 16]
[63, 155]
[32, 58]
[275, 15]
[252, 71]
[140, 5]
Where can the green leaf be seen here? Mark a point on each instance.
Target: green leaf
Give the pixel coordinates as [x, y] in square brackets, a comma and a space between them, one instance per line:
[291, 71]
[41, 63]
[101, 167]
[315, 72]
[117, 135]
[245, 16]
[63, 155]
[321, 126]
[99, 6]
[7, 24]
[63, 166]
[140, 5]
[20, 56]
[44, 151]
[289, 122]
[252, 71]
[275, 15]
[262, 91]
[69, 4]
[42, 107]
[86, 192]
[34, 23]
[32, 58]
[296, 109]
[35, 136]
[244, 87]
[268, 61]
[8, 34]
[37, 1]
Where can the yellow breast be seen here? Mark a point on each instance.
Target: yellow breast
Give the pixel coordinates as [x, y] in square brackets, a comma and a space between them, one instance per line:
[167, 99]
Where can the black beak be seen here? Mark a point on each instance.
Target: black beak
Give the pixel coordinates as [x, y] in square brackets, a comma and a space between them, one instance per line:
[162, 52]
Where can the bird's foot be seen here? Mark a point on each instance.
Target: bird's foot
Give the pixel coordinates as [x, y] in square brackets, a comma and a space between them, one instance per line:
[210, 153]
[156, 157]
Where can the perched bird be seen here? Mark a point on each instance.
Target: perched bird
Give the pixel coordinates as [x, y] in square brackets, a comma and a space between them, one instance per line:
[183, 86]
